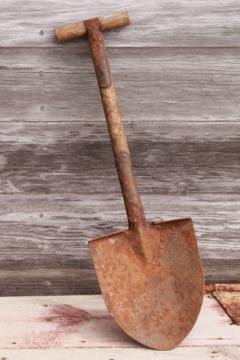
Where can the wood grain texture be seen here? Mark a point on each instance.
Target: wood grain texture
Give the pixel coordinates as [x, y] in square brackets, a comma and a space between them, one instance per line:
[74, 157]
[43, 247]
[63, 277]
[201, 353]
[83, 322]
[160, 23]
[177, 74]
[187, 353]
[152, 84]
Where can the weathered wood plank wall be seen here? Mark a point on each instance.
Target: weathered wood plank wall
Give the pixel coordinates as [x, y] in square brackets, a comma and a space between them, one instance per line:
[177, 72]
[164, 23]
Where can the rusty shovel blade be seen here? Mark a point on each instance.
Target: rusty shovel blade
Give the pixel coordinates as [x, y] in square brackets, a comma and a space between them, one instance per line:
[150, 275]
[155, 291]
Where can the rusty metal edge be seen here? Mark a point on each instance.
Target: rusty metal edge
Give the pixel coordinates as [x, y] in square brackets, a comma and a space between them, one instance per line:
[211, 287]
[230, 303]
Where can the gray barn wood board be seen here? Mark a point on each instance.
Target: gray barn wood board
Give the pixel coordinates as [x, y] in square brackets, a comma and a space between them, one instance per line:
[44, 237]
[173, 84]
[72, 157]
[177, 74]
[162, 23]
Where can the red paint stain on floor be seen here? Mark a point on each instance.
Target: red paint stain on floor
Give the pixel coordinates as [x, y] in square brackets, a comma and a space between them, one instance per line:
[67, 316]
[63, 318]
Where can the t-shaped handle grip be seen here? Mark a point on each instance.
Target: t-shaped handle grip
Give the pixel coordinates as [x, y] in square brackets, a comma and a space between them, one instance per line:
[74, 31]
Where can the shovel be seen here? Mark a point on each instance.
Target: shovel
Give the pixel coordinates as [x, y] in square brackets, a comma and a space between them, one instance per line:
[150, 275]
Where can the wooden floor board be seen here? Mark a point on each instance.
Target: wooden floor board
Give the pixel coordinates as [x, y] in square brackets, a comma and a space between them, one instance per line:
[83, 322]
[200, 353]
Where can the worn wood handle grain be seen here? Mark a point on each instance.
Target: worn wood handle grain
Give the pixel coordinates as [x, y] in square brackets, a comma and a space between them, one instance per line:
[131, 196]
[76, 30]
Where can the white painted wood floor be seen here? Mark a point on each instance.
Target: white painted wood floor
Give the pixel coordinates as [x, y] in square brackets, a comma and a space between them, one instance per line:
[79, 327]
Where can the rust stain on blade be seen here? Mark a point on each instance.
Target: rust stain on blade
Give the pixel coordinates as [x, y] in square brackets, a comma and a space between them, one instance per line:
[154, 298]
[150, 275]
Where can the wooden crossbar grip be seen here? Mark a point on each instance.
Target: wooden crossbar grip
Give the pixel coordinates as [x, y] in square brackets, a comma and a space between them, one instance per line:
[77, 30]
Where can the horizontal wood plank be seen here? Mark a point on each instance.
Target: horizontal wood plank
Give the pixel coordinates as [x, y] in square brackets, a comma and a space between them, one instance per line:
[160, 23]
[84, 322]
[177, 71]
[72, 277]
[77, 158]
[190, 353]
[79, 218]
[153, 84]
[43, 247]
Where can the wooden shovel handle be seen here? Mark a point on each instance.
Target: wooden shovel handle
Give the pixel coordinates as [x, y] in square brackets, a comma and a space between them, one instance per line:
[113, 116]
[76, 30]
